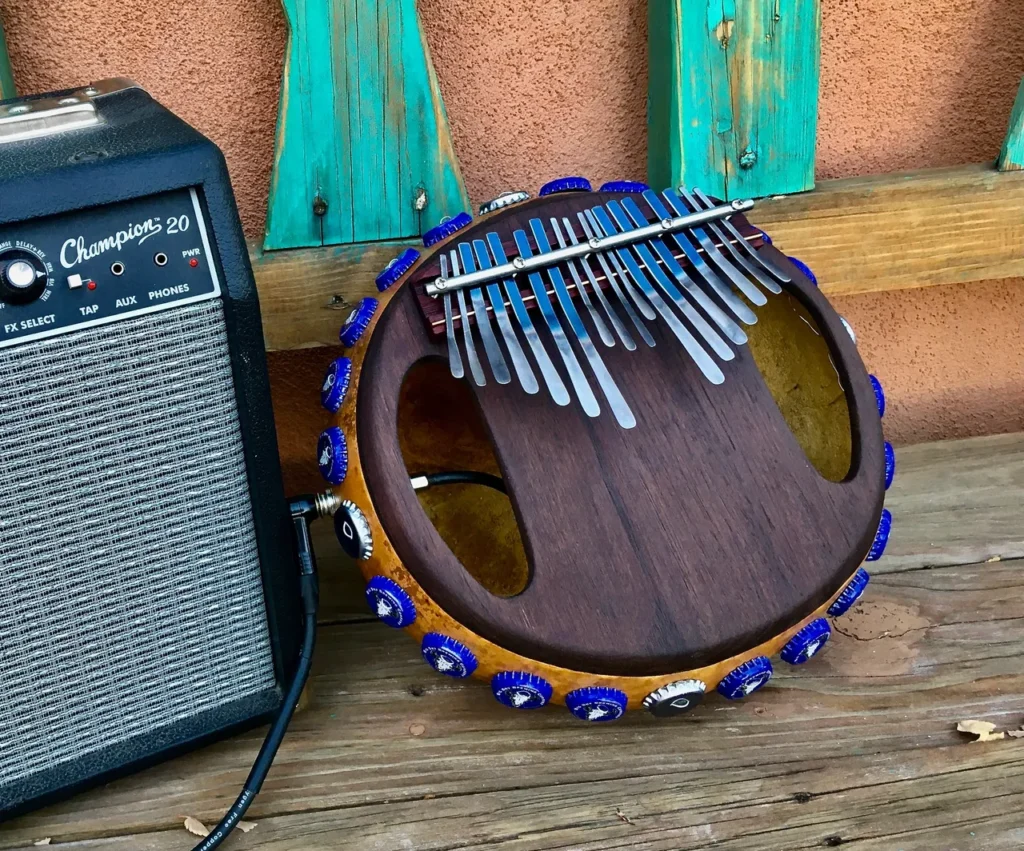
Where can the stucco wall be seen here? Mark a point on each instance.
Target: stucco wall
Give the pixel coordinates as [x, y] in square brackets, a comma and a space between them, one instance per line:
[536, 88]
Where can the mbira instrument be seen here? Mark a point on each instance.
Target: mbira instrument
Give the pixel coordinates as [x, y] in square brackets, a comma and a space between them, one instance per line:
[606, 449]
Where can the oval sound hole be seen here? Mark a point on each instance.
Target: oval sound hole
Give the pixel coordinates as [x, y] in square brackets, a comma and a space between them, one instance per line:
[440, 430]
[796, 363]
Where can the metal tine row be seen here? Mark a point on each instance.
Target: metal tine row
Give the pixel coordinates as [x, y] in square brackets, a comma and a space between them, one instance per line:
[629, 272]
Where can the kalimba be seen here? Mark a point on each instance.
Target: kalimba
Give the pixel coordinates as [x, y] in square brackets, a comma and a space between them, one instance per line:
[606, 449]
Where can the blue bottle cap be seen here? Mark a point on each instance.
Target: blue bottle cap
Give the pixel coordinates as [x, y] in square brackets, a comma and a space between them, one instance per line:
[767, 239]
[746, 679]
[396, 268]
[448, 656]
[446, 228]
[332, 455]
[804, 268]
[520, 690]
[882, 536]
[358, 321]
[851, 594]
[625, 186]
[597, 703]
[876, 385]
[890, 465]
[336, 383]
[389, 602]
[572, 183]
[806, 643]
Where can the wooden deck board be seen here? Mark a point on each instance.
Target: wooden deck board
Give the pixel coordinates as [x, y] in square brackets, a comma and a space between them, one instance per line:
[859, 744]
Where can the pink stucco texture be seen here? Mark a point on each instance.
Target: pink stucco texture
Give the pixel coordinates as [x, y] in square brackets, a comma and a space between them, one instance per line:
[536, 88]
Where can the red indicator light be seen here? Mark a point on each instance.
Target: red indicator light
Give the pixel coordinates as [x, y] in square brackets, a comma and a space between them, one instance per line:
[91, 285]
[193, 263]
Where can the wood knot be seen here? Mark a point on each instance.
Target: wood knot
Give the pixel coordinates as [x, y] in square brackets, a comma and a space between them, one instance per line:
[417, 691]
[803, 797]
[833, 841]
[319, 206]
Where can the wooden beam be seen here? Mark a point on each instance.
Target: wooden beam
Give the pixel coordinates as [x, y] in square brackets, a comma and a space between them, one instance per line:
[733, 95]
[364, 152]
[6, 75]
[862, 234]
[1011, 157]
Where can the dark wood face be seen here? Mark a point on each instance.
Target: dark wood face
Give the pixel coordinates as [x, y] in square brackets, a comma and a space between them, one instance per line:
[699, 534]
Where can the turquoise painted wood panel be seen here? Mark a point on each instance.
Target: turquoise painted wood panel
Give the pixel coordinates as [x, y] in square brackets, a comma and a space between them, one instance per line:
[1011, 157]
[364, 151]
[6, 77]
[733, 98]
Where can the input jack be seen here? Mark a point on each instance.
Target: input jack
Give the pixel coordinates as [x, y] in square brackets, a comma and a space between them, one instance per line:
[160, 259]
[117, 269]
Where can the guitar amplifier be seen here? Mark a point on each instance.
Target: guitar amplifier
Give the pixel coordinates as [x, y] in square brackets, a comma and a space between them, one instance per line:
[149, 595]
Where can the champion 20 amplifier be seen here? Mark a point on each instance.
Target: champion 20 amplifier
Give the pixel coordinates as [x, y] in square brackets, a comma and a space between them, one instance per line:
[149, 586]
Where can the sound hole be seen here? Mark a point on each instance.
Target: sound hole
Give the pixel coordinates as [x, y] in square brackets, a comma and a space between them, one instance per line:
[797, 366]
[440, 430]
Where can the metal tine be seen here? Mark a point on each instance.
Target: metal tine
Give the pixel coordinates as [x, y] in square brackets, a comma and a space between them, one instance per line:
[738, 307]
[734, 250]
[613, 317]
[576, 376]
[454, 358]
[483, 321]
[710, 335]
[733, 331]
[599, 323]
[731, 272]
[705, 363]
[641, 303]
[588, 232]
[556, 387]
[746, 246]
[620, 408]
[519, 362]
[475, 369]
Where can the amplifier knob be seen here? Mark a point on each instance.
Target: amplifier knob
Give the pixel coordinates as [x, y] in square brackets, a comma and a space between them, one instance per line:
[22, 277]
[353, 531]
[675, 698]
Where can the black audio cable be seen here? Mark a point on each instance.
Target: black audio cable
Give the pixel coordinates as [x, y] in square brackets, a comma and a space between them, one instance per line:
[304, 510]
[420, 481]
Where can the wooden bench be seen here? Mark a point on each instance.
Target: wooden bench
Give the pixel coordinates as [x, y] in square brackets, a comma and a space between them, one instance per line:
[856, 749]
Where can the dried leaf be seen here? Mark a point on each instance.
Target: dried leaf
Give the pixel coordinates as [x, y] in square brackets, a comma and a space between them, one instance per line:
[246, 826]
[982, 729]
[196, 827]
[623, 817]
[42, 842]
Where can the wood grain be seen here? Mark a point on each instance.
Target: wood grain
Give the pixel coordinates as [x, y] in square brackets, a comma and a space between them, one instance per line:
[361, 128]
[1011, 157]
[858, 744]
[6, 76]
[862, 234]
[733, 95]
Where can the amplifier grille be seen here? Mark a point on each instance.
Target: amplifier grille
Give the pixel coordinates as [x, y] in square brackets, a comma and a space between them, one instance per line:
[130, 587]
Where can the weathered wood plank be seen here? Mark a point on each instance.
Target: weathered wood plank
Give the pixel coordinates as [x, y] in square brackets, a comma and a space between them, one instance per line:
[1011, 157]
[362, 131]
[6, 75]
[956, 502]
[733, 95]
[862, 234]
[387, 746]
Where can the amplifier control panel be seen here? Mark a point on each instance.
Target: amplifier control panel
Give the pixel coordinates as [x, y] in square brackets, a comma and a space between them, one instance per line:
[95, 266]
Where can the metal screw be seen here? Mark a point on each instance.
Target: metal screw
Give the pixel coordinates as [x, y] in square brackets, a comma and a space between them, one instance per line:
[91, 92]
[748, 159]
[419, 203]
[319, 206]
[337, 302]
